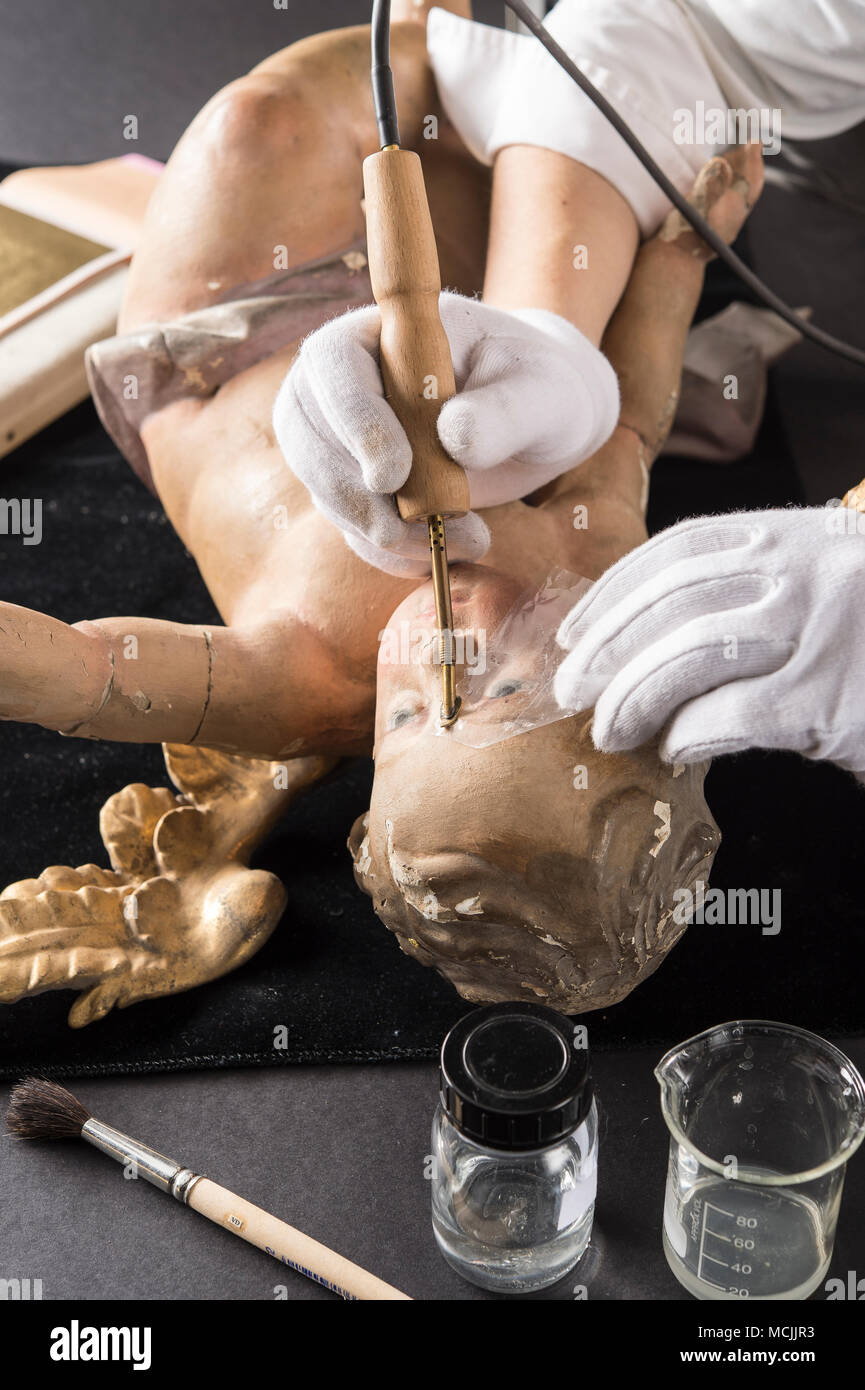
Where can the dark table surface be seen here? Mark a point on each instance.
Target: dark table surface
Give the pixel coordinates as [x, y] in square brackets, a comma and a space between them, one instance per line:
[338, 1152]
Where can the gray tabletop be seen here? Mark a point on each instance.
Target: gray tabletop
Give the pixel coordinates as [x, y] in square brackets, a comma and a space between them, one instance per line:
[338, 1152]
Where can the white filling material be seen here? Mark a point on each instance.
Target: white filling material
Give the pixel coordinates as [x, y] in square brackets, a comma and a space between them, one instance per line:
[364, 859]
[423, 900]
[662, 832]
[431, 908]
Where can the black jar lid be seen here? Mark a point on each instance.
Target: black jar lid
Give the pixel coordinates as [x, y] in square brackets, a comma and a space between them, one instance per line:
[511, 1077]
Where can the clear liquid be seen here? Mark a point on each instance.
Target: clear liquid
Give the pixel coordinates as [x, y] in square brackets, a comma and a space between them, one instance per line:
[513, 1221]
[731, 1241]
[516, 1269]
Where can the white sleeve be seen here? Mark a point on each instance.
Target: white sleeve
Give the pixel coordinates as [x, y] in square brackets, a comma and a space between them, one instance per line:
[805, 58]
[673, 69]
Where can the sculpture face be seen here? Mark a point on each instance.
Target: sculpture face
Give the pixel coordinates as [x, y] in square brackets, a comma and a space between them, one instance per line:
[533, 867]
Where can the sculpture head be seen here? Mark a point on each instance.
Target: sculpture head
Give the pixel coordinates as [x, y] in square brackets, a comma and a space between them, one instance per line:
[534, 866]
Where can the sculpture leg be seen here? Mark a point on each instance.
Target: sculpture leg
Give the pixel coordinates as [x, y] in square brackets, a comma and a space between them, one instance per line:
[179, 904]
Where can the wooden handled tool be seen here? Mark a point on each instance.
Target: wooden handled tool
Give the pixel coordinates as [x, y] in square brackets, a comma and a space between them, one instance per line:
[416, 365]
[415, 354]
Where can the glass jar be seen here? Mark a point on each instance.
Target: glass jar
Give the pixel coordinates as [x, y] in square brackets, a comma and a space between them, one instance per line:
[514, 1146]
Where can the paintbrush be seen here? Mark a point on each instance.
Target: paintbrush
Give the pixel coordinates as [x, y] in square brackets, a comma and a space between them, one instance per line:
[40, 1109]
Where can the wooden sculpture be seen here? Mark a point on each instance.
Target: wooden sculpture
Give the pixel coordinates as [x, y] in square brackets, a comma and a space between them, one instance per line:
[490, 863]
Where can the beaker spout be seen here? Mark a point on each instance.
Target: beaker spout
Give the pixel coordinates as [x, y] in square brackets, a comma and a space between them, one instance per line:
[671, 1075]
[742, 1088]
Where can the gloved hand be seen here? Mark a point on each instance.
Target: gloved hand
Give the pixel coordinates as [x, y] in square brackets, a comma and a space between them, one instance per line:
[535, 398]
[732, 631]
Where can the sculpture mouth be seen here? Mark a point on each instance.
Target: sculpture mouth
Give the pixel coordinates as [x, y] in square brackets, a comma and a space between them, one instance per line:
[508, 950]
[474, 920]
[491, 978]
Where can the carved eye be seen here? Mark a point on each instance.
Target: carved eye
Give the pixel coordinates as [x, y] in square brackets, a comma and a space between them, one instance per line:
[506, 686]
[400, 717]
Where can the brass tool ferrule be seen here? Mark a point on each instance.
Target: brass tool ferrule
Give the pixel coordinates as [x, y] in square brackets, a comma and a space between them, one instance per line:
[451, 702]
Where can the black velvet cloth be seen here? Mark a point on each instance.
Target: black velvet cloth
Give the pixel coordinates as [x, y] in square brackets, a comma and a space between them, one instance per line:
[331, 976]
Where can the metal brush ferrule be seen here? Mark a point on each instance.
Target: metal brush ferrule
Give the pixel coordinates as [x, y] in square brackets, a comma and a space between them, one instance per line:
[164, 1173]
[183, 1185]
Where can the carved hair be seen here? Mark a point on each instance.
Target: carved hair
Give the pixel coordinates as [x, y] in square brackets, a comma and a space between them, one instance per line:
[578, 931]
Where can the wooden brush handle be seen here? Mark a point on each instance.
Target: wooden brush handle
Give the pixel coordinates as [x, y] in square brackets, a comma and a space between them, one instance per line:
[416, 361]
[285, 1243]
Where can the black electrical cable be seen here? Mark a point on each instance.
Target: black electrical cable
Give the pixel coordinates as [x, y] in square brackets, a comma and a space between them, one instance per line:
[382, 77]
[700, 225]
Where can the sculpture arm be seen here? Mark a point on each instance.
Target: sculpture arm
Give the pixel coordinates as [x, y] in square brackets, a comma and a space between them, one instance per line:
[645, 338]
[260, 690]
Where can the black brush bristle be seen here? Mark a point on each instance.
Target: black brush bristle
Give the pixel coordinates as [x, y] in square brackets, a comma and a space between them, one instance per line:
[40, 1109]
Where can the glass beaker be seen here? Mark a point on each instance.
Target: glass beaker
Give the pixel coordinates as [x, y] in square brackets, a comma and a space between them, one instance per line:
[762, 1119]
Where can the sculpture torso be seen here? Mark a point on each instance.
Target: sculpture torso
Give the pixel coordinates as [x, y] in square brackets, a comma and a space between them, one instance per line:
[220, 473]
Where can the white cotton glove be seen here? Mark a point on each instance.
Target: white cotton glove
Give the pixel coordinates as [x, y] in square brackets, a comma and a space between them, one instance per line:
[535, 398]
[729, 632]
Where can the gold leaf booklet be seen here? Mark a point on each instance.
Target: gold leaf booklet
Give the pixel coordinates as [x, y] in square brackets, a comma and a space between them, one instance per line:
[66, 240]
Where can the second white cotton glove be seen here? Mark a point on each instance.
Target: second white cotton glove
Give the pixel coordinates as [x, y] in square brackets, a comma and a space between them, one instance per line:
[729, 632]
[534, 398]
